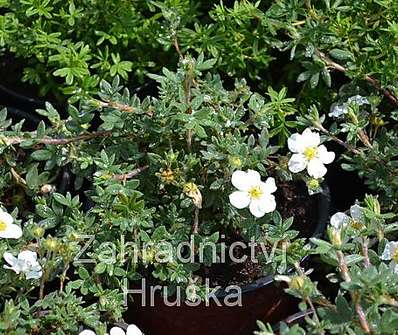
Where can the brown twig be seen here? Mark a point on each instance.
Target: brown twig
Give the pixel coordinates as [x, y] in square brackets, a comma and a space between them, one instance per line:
[336, 139]
[374, 82]
[354, 295]
[116, 105]
[176, 46]
[365, 252]
[187, 93]
[57, 141]
[131, 174]
[195, 228]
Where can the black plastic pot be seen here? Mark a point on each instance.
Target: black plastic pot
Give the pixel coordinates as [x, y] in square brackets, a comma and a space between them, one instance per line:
[263, 300]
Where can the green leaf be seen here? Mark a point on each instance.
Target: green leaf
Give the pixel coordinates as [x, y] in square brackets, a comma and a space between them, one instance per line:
[61, 199]
[32, 177]
[340, 54]
[100, 268]
[42, 155]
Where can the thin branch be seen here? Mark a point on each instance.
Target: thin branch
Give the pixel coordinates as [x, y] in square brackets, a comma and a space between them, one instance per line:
[176, 46]
[57, 141]
[131, 174]
[354, 295]
[336, 139]
[195, 228]
[374, 82]
[365, 252]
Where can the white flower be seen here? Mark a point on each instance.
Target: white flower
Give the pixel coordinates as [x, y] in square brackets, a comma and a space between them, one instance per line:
[25, 263]
[390, 253]
[336, 110]
[131, 330]
[341, 220]
[253, 192]
[359, 100]
[308, 153]
[7, 228]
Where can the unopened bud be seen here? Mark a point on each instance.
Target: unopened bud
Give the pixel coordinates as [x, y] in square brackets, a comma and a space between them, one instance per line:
[297, 282]
[51, 244]
[313, 184]
[47, 188]
[38, 232]
[235, 162]
[335, 237]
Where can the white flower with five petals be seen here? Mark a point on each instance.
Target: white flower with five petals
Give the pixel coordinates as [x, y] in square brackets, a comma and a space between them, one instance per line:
[390, 253]
[309, 154]
[253, 193]
[7, 227]
[26, 263]
[341, 220]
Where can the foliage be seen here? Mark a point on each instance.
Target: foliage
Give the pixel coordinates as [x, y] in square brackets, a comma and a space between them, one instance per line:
[154, 174]
[366, 298]
[142, 175]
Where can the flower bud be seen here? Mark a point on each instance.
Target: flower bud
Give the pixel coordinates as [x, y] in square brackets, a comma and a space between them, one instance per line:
[235, 162]
[297, 282]
[38, 231]
[47, 188]
[51, 244]
[335, 237]
[313, 184]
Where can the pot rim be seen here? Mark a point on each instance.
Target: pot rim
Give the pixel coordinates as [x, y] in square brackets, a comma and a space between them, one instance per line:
[323, 206]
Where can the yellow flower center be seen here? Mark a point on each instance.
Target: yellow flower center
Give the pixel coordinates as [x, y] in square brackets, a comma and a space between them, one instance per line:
[310, 153]
[3, 225]
[255, 192]
[313, 184]
[357, 225]
[235, 161]
[395, 256]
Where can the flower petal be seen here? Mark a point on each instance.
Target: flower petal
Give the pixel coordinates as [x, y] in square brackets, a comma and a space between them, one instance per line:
[269, 186]
[297, 163]
[356, 212]
[268, 203]
[239, 199]
[133, 330]
[10, 258]
[239, 180]
[316, 168]
[310, 138]
[339, 220]
[336, 110]
[33, 274]
[389, 251]
[28, 257]
[12, 231]
[325, 156]
[117, 331]
[244, 180]
[394, 266]
[256, 208]
[6, 218]
[87, 332]
[295, 143]
[253, 177]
